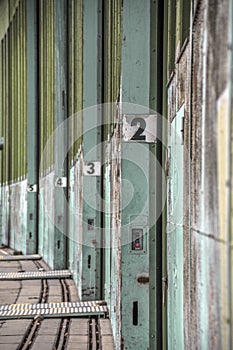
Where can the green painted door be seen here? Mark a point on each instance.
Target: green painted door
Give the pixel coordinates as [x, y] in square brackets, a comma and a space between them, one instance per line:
[107, 236]
[175, 234]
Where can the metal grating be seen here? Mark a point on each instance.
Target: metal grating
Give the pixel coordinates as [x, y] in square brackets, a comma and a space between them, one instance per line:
[20, 257]
[35, 275]
[62, 309]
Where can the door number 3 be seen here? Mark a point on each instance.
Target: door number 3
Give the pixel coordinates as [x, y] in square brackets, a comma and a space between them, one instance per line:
[91, 169]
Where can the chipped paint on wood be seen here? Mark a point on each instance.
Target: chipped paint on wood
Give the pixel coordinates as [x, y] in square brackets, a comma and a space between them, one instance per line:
[46, 218]
[203, 248]
[223, 195]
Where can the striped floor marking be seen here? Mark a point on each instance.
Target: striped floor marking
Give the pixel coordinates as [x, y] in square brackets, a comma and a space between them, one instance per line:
[20, 257]
[6, 276]
[46, 310]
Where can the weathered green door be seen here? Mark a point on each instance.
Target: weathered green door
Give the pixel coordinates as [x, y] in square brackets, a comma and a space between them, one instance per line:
[107, 237]
[175, 234]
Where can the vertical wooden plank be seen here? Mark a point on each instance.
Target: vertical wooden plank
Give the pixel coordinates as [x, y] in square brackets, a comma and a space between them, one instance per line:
[186, 15]
[171, 28]
[32, 123]
[71, 70]
[3, 110]
[43, 92]
[8, 130]
[14, 161]
[1, 125]
[48, 99]
[60, 114]
[175, 236]
[25, 111]
[5, 115]
[11, 102]
[108, 62]
[18, 94]
[78, 69]
[41, 80]
[223, 193]
[21, 89]
[50, 79]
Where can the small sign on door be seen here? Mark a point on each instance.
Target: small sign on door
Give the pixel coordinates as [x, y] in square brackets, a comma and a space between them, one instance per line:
[92, 169]
[140, 128]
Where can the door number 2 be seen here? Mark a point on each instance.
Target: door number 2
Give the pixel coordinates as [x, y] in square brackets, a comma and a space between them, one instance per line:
[140, 128]
[141, 124]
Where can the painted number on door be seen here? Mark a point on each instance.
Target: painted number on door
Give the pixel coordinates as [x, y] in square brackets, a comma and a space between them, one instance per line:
[91, 169]
[32, 188]
[141, 124]
[61, 182]
[140, 128]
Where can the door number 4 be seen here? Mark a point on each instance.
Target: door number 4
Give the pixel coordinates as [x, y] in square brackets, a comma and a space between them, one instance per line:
[61, 182]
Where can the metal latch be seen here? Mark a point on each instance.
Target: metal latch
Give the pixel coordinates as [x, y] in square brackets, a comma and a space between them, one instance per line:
[165, 285]
[1, 142]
